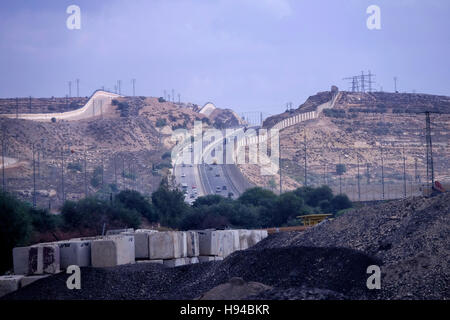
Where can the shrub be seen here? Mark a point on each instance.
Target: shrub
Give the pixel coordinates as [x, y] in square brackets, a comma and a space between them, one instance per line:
[161, 100]
[15, 227]
[133, 200]
[161, 122]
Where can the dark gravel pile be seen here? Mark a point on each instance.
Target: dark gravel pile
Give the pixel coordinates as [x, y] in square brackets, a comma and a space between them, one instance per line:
[335, 269]
[410, 237]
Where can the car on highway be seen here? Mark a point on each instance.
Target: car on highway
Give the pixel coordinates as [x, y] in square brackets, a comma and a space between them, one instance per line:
[183, 175]
[217, 174]
[218, 189]
[194, 187]
[224, 188]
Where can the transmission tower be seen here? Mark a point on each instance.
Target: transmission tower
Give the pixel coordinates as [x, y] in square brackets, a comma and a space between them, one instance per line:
[133, 81]
[78, 88]
[70, 89]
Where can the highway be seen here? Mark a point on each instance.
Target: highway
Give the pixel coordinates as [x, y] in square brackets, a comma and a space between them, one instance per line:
[222, 179]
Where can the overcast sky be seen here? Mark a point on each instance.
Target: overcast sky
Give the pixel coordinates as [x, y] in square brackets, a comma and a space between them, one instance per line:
[242, 54]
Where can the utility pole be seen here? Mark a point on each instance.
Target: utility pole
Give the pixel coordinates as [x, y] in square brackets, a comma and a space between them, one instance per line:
[70, 89]
[173, 96]
[134, 87]
[34, 177]
[340, 176]
[179, 99]
[29, 104]
[119, 83]
[305, 159]
[367, 173]
[359, 185]
[115, 169]
[164, 94]
[395, 84]
[416, 173]
[85, 174]
[430, 166]
[279, 154]
[62, 173]
[78, 88]
[17, 108]
[404, 173]
[3, 160]
[382, 171]
[363, 80]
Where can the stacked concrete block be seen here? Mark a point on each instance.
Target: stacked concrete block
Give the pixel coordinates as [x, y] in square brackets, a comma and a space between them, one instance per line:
[209, 243]
[236, 241]
[118, 231]
[255, 237]
[165, 245]
[37, 259]
[140, 243]
[244, 237]
[171, 263]
[182, 239]
[264, 234]
[193, 249]
[202, 259]
[9, 284]
[226, 243]
[112, 251]
[193, 260]
[75, 253]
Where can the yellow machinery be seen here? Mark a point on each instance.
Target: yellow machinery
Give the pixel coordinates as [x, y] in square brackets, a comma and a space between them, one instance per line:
[313, 219]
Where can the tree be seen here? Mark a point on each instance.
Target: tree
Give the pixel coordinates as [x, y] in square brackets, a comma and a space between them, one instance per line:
[169, 204]
[339, 202]
[134, 200]
[257, 196]
[15, 227]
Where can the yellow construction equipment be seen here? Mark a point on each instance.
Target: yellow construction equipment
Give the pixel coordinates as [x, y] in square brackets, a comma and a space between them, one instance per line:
[313, 219]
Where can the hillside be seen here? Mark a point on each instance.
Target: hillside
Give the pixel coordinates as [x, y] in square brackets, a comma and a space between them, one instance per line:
[369, 128]
[126, 147]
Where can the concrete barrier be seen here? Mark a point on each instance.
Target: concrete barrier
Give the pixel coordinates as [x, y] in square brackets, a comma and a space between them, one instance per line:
[171, 263]
[182, 239]
[226, 243]
[255, 237]
[193, 249]
[151, 261]
[9, 284]
[118, 231]
[202, 259]
[194, 260]
[165, 245]
[244, 237]
[112, 251]
[75, 253]
[37, 259]
[208, 243]
[236, 242]
[140, 244]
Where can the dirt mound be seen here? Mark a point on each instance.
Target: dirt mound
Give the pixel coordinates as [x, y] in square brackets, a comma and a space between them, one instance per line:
[409, 236]
[235, 289]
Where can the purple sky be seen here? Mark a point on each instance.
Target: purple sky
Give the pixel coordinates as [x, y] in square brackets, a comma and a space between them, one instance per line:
[242, 54]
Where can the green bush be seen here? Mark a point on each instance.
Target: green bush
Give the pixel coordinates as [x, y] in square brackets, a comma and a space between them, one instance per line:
[161, 122]
[15, 227]
[133, 200]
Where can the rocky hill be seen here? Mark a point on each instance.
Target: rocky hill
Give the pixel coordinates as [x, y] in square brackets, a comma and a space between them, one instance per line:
[373, 129]
[127, 147]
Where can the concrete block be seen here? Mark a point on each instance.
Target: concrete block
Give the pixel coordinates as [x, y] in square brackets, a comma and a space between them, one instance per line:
[264, 234]
[208, 243]
[145, 230]
[194, 260]
[182, 239]
[118, 231]
[236, 241]
[151, 261]
[171, 263]
[51, 258]
[255, 237]
[21, 260]
[225, 239]
[9, 284]
[244, 237]
[165, 245]
[26, 280]
[202, 259]
[112, 251]
[75, 253]
[193, 249]
[218, 258]
[140, 244]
